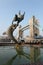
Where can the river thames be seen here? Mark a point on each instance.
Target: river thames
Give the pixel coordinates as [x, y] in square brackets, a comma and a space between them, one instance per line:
[20, 55]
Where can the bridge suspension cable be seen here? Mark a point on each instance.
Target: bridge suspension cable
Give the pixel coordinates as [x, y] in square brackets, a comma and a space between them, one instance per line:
[25, 28]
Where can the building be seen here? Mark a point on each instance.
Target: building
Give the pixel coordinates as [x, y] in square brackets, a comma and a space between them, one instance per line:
[4, 39]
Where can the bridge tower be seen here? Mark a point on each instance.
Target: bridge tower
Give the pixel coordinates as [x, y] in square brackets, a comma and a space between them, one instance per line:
[34, 27]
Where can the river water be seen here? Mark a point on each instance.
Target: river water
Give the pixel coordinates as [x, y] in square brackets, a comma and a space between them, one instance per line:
[20, 55]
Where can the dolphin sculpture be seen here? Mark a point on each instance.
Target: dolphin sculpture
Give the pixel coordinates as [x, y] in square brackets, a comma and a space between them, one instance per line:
[11, 28]
[10, 31]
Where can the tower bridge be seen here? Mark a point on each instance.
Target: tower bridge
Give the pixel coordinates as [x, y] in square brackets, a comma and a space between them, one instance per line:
[33, 28]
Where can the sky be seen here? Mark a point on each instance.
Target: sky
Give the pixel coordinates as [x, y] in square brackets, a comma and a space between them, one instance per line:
[8, 9]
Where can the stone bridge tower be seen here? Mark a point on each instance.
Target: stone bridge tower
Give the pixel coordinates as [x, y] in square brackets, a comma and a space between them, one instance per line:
[34, 27]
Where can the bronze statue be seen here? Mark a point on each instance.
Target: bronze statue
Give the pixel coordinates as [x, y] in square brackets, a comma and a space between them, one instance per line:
[18, 18]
